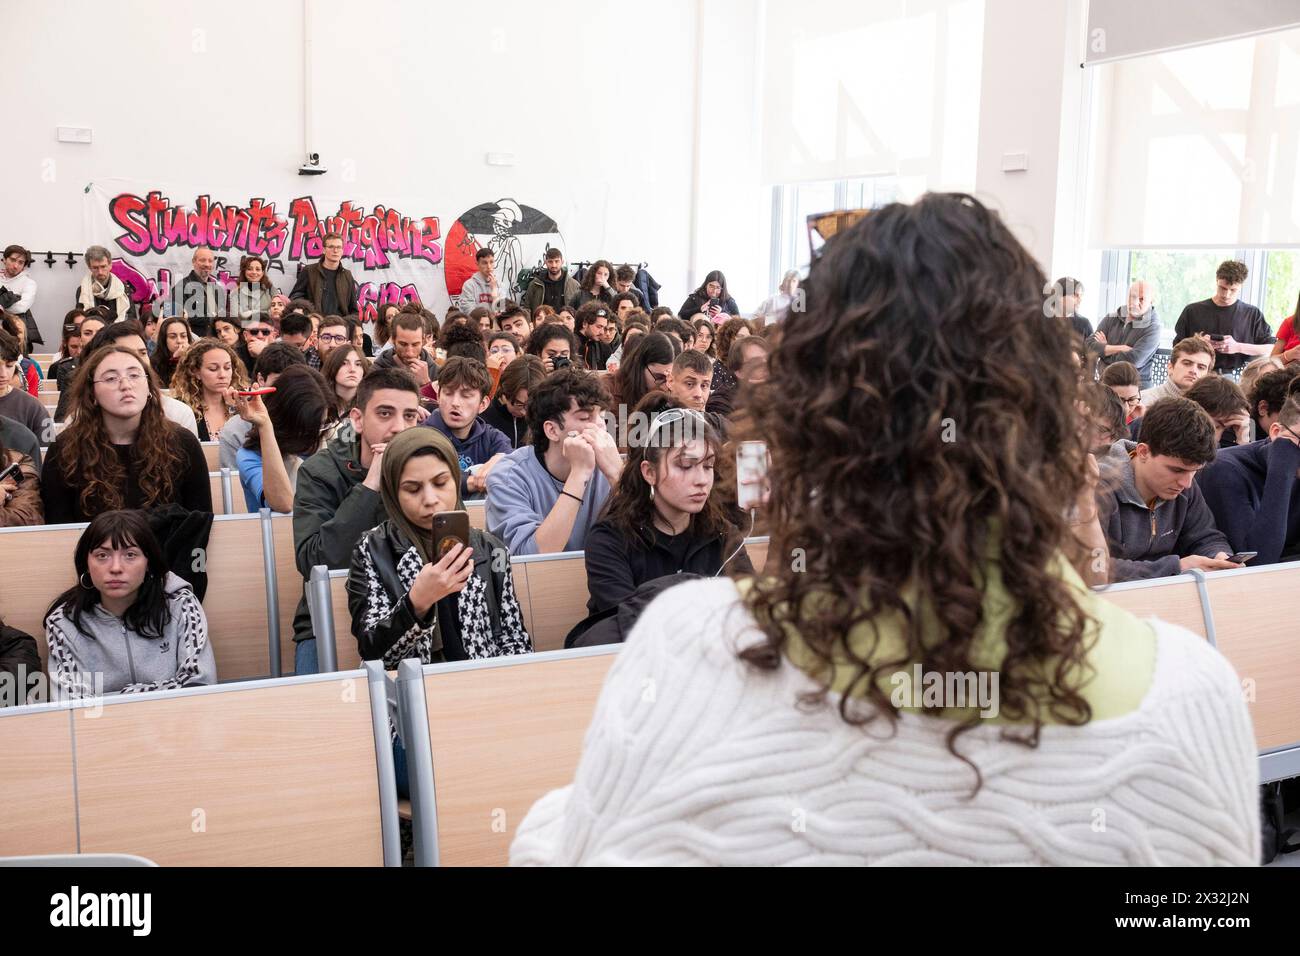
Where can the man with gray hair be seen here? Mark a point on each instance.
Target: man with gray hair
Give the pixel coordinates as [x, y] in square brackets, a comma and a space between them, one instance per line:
[200, 296]
[101, 288]
[1131, 333]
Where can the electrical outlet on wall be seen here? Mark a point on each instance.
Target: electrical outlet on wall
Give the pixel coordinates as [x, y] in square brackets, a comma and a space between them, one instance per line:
[74, 134]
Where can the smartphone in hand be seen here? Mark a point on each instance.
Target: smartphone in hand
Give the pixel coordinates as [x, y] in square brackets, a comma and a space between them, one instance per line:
[450, 528]
[1241, 557]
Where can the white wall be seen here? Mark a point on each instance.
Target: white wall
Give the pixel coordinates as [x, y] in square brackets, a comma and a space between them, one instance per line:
[1030, 100]
[733, 207]
[407, 99]
[643, 151]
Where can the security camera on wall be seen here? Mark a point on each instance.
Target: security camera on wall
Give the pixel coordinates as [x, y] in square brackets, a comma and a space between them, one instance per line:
[312, 167]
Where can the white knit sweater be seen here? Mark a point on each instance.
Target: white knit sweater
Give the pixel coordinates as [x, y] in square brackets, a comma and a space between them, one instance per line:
[693, 757]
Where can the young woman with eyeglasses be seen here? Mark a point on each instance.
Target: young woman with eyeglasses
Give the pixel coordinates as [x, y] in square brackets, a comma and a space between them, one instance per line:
[120, 451]
[646, 366]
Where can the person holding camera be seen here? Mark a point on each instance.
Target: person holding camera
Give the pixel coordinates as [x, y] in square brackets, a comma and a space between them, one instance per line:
[554, 344]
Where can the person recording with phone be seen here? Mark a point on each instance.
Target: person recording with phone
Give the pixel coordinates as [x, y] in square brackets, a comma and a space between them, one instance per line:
[452, 599]
[711, 298]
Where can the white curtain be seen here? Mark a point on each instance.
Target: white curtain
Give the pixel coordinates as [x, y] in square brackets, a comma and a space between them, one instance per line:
[1199, 147]
[1124, 28]
[872, 88]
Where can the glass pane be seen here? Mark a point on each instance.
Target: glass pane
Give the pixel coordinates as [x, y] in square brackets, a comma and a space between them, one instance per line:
[1281, 285]
[1179, 278]
[810, 198]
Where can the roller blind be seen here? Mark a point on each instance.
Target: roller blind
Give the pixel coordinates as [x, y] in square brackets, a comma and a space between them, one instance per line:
[872, 88]
[1123, 28]
[1199, 147]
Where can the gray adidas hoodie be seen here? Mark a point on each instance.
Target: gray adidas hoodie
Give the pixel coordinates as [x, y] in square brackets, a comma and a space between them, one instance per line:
[1150, 542]
[105, 657]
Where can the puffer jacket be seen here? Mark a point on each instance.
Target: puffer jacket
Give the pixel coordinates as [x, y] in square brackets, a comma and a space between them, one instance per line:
[385, 565]
[130, 662]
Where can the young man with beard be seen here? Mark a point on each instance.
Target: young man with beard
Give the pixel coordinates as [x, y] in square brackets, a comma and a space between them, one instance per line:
[552, 286]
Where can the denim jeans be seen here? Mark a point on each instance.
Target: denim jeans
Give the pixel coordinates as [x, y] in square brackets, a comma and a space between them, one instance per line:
[399, 770]
[304, 657]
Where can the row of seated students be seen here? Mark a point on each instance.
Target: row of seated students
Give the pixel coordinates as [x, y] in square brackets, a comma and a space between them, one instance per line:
[1196, 471]
[931, 510]
[123, 449]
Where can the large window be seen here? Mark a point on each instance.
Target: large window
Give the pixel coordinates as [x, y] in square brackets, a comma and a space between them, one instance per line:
[1281, 285]
[793, 204]
[1181, 276]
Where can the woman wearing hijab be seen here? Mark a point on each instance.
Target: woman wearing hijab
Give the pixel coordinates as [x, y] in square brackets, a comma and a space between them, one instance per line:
[406, 602]
[403, 604]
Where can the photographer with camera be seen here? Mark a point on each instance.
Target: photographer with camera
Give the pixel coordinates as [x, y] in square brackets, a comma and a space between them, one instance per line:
[554, 344]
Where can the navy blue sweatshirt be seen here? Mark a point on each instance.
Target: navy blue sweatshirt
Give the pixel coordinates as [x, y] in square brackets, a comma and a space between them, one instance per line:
[483, 442]
[1253, 492]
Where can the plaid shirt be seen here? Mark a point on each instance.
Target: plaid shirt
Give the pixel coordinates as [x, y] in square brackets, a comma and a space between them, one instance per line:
[313, 357]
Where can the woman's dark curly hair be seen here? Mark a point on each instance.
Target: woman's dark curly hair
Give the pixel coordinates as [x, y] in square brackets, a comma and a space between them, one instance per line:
[937, 441]
[726, 334]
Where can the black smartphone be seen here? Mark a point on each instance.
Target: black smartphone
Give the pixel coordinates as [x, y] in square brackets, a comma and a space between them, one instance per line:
[1241, 557]
[1216, 338]
[13, 471]
[450, 528]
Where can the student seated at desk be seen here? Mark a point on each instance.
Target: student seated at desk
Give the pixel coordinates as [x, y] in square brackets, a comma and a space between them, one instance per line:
[128, 625]
[1157, 523]
[288, 427]
[667, 515]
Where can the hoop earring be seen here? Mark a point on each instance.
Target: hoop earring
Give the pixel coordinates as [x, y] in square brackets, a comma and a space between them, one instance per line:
[82, 581]
[652, 492]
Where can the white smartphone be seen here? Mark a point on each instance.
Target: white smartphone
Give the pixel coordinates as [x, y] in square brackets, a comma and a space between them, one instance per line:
[751, 470]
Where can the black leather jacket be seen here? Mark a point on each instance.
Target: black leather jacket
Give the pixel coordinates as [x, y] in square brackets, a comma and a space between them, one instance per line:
[384, 565]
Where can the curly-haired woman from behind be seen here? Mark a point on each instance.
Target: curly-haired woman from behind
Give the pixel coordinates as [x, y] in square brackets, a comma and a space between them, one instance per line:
[929, 508]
